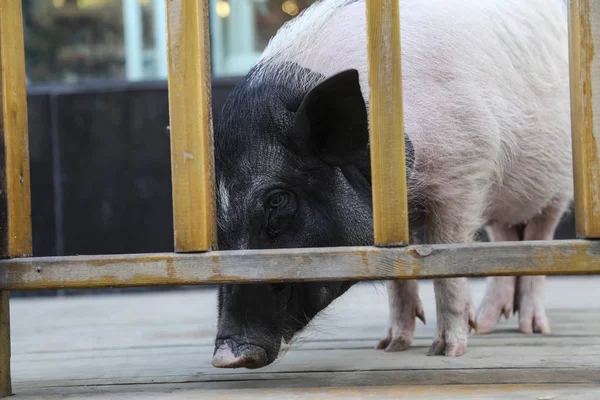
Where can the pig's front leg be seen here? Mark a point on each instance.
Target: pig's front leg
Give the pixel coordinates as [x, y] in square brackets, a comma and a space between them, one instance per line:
[404, 306]
[455, 316]
[454, 306]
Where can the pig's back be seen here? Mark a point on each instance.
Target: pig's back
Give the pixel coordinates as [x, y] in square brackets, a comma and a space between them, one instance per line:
[486, 95]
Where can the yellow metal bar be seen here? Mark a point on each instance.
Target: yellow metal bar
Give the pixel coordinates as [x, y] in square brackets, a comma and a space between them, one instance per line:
[563, 257]
[15, 203]
[15, 220]
[390, 216]
[192, 164]
[584, 36]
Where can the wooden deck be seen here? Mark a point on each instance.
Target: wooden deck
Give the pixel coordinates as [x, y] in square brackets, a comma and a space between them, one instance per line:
[159, 346]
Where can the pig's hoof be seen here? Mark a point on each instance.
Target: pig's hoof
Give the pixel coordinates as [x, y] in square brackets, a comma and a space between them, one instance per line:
[399, 343]
[400, 334]
[529, 303]
[453, 331]
[534, 321]
[247, 356]
[489, 314]
[454, 348]
[498, 301]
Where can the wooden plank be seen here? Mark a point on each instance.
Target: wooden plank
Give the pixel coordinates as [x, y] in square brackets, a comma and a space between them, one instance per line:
[188, 344]
[388, 165]
[240, 390]
[192, 164]
[15, 203]
[584, 36]
[132, 365]
[152, 360]
[356, 320]
[5, 379]
[358, 377]
[565, 257]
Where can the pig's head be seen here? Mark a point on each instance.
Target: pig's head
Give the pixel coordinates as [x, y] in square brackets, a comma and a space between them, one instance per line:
[293, 170]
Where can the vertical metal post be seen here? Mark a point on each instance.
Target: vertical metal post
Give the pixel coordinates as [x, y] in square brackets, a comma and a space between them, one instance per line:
[584, 39]
[192, 163]
[15, 203]
[390, 204]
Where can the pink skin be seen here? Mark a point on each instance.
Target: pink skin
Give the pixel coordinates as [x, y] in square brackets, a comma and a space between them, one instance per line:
[455, 313]
[453, 222]
[224, 357]
[405, 305]
[500, 291]
[454, 308]
[524, 294]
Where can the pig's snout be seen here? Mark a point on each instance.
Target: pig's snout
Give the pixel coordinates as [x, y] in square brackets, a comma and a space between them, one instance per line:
[229, 354]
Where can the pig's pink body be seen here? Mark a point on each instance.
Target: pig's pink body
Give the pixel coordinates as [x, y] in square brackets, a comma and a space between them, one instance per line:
[486, 106]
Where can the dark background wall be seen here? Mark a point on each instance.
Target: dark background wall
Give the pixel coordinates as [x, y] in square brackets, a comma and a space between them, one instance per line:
[100, 170]
[100, 167]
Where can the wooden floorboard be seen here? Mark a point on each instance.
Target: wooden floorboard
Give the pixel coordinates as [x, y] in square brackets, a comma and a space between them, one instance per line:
[447, 392]
[159, 345]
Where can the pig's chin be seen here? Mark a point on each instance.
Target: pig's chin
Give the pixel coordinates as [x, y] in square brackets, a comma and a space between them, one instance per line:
[230, 353]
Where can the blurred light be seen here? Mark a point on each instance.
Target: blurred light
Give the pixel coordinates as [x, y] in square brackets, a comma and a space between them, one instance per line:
[223, 9]
[58, 3]
[144, 2]
[93, 3]
[290, 7]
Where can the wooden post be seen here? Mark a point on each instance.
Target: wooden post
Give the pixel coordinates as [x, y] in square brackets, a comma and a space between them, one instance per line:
[15, 204]
[390, 204]
[5, 380]
[192, 164]
[319, 264]
[584, 38]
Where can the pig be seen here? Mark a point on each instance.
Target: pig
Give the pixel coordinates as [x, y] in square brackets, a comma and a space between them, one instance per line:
[487, 137]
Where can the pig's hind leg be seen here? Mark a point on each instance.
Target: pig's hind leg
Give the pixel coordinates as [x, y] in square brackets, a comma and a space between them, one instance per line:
[500, 290]
[529, 293]
[404, 306]
[524, 294]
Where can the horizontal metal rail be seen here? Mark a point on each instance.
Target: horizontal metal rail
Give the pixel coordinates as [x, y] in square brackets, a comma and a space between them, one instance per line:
[559, 257]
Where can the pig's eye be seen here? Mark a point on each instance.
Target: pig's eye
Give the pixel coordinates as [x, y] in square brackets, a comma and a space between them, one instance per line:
[280, 209]
[279, 199]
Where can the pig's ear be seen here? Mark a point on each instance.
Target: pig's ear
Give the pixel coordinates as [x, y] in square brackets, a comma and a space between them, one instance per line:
[332, 120]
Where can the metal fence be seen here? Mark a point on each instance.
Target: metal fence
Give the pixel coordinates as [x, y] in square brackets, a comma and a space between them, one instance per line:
[196, 260]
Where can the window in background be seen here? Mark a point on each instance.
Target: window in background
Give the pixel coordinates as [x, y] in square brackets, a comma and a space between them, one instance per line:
[68, 41]
[240, 30]
[79, 40]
